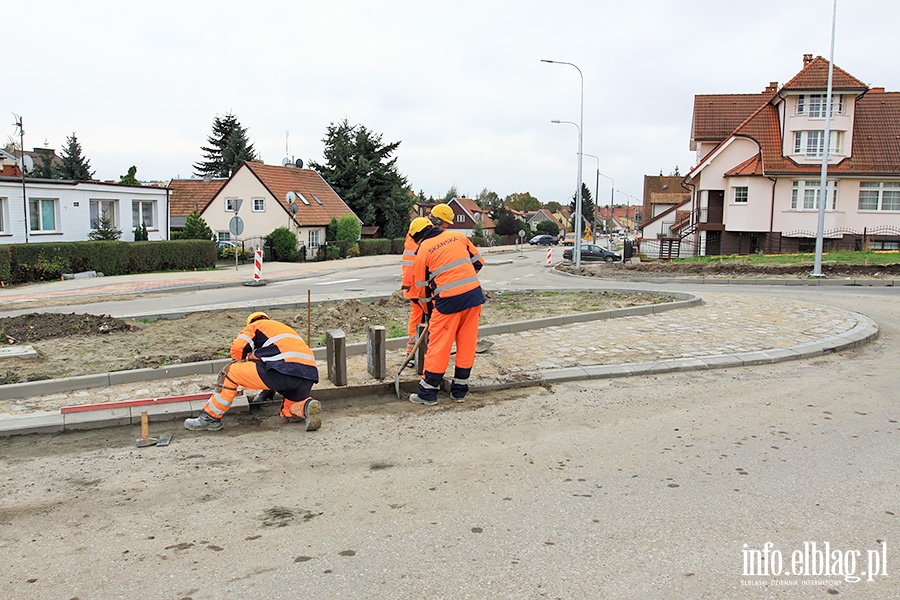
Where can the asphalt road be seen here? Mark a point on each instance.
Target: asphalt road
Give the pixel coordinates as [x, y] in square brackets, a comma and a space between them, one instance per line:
[652, 487]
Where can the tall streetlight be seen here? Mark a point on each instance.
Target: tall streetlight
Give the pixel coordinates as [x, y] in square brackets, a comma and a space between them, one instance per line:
[823, 180]
[576, 248]
[629, 196]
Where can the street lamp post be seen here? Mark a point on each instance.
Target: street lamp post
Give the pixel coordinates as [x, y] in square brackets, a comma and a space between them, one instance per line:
[576, 248]
[597, 192]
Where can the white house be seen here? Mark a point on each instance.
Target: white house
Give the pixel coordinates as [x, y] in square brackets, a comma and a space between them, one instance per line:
[56, 210]
[270, 197]
[759, 160]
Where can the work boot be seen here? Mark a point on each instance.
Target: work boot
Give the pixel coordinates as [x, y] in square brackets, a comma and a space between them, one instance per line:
[263, 396]
[313, 412]
[415, 399]
[457, 399]
[203, 422]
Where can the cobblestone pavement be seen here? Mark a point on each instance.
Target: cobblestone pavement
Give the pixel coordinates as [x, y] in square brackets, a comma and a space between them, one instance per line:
[724, 324]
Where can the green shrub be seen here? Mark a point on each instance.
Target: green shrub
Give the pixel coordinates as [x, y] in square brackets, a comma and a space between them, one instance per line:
[332, 252]
[5, 263]
[478, 241]
[284, 244]
[397, 245]
[353, 251]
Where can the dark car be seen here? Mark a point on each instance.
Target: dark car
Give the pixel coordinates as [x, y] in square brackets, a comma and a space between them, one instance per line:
[593, 252]
[543, 240]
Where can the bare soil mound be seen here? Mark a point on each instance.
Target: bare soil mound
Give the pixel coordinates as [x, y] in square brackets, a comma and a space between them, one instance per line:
[660, 268]
[43, 326]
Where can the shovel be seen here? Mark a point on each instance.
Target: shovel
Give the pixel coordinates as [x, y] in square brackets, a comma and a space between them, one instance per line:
[407, 358]
[145, 439]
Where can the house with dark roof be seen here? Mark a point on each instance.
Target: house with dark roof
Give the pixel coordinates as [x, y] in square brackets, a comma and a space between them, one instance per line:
[756, 185]
[663, 195]
[467, 213]
[266, 197]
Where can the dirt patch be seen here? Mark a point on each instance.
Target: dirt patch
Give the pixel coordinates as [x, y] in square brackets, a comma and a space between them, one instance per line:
[730, 269]
[70, 345]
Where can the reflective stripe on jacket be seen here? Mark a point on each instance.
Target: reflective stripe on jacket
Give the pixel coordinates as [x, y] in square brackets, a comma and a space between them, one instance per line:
[406, 266]
[278, 347]
[445, 265]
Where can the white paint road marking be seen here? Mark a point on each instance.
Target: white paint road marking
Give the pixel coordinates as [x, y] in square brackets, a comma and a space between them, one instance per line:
[336, 282]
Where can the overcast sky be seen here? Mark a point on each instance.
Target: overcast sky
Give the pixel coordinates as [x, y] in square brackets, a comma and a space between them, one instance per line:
[460, 84]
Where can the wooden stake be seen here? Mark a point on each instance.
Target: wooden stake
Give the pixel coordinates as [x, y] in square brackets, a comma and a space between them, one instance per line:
[308, 318]
[145, 426]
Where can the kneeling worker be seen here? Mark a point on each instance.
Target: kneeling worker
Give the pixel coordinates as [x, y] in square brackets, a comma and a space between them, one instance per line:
[267, 355]
[445, 272]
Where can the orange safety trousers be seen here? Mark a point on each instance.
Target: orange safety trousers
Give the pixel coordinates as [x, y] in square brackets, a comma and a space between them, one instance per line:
[462, 328]
[244, 374]
[416, 316]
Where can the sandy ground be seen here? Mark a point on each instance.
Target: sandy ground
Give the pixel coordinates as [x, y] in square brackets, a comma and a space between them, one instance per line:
[639, 488]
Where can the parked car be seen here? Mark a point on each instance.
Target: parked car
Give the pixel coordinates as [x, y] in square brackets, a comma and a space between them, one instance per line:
[593, 252]
[543, 240]
[225, 244]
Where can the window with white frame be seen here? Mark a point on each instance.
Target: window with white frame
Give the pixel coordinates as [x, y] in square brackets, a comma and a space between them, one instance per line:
[105, 209]
[313, 238]
[230, 204]
[43, 213]
[223, 236]
[259, 205]
[811, 143]
[316, 198]
[3, 202]
[143, 211]
[740, 195]
[460, 218]
[879, 195]
[805, 195]
[303, 198]
[813, 105]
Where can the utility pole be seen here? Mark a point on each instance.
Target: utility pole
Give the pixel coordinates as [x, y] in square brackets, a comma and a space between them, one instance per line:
[22, 168]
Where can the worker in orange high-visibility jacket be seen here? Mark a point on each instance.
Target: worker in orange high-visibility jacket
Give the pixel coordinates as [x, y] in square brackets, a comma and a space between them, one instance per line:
[270, 356]
[407, 284]
[446, 279]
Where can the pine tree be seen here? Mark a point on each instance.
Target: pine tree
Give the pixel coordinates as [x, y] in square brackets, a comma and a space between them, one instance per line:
[105, 229]
[140, 233]
[360, 169]
[228, 147]
[195, 228]
[74, 166]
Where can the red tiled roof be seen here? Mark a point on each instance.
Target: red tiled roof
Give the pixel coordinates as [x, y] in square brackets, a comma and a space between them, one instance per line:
[717, 115]
[751, 166]
[814, 77]
[281, 180]
[473, 209]
[188, 195]
[876, 139]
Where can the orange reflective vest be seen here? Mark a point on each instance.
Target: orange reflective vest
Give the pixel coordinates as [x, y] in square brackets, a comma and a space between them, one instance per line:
[407, 281]
[445, 266]
[278, 347]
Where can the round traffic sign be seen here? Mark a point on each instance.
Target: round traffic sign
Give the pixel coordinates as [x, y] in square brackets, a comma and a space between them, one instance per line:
[236, 225]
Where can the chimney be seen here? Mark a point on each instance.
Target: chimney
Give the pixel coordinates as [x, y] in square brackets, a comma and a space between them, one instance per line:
[772, 87]
[807, 58]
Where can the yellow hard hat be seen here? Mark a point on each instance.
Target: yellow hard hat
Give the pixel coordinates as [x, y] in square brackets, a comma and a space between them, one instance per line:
[418, 225]
[256, 317]
[443, 212]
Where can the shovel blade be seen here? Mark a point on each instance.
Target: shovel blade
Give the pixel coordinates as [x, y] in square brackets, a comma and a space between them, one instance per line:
[144, 442]
[164, 439]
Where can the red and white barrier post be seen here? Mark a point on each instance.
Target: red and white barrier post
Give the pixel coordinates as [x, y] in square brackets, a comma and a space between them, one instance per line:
[257, 265]
[257, 269]
[549, 256]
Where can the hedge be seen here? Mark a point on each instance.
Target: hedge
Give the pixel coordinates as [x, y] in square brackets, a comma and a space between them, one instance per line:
[374, 247]
[21, 263]
[397, 245]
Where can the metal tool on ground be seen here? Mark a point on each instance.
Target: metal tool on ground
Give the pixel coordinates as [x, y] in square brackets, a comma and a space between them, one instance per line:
[145, 439]
[406, 359]
[164, 439]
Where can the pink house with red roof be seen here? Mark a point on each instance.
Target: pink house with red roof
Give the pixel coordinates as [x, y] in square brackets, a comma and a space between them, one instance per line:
[755, 187]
